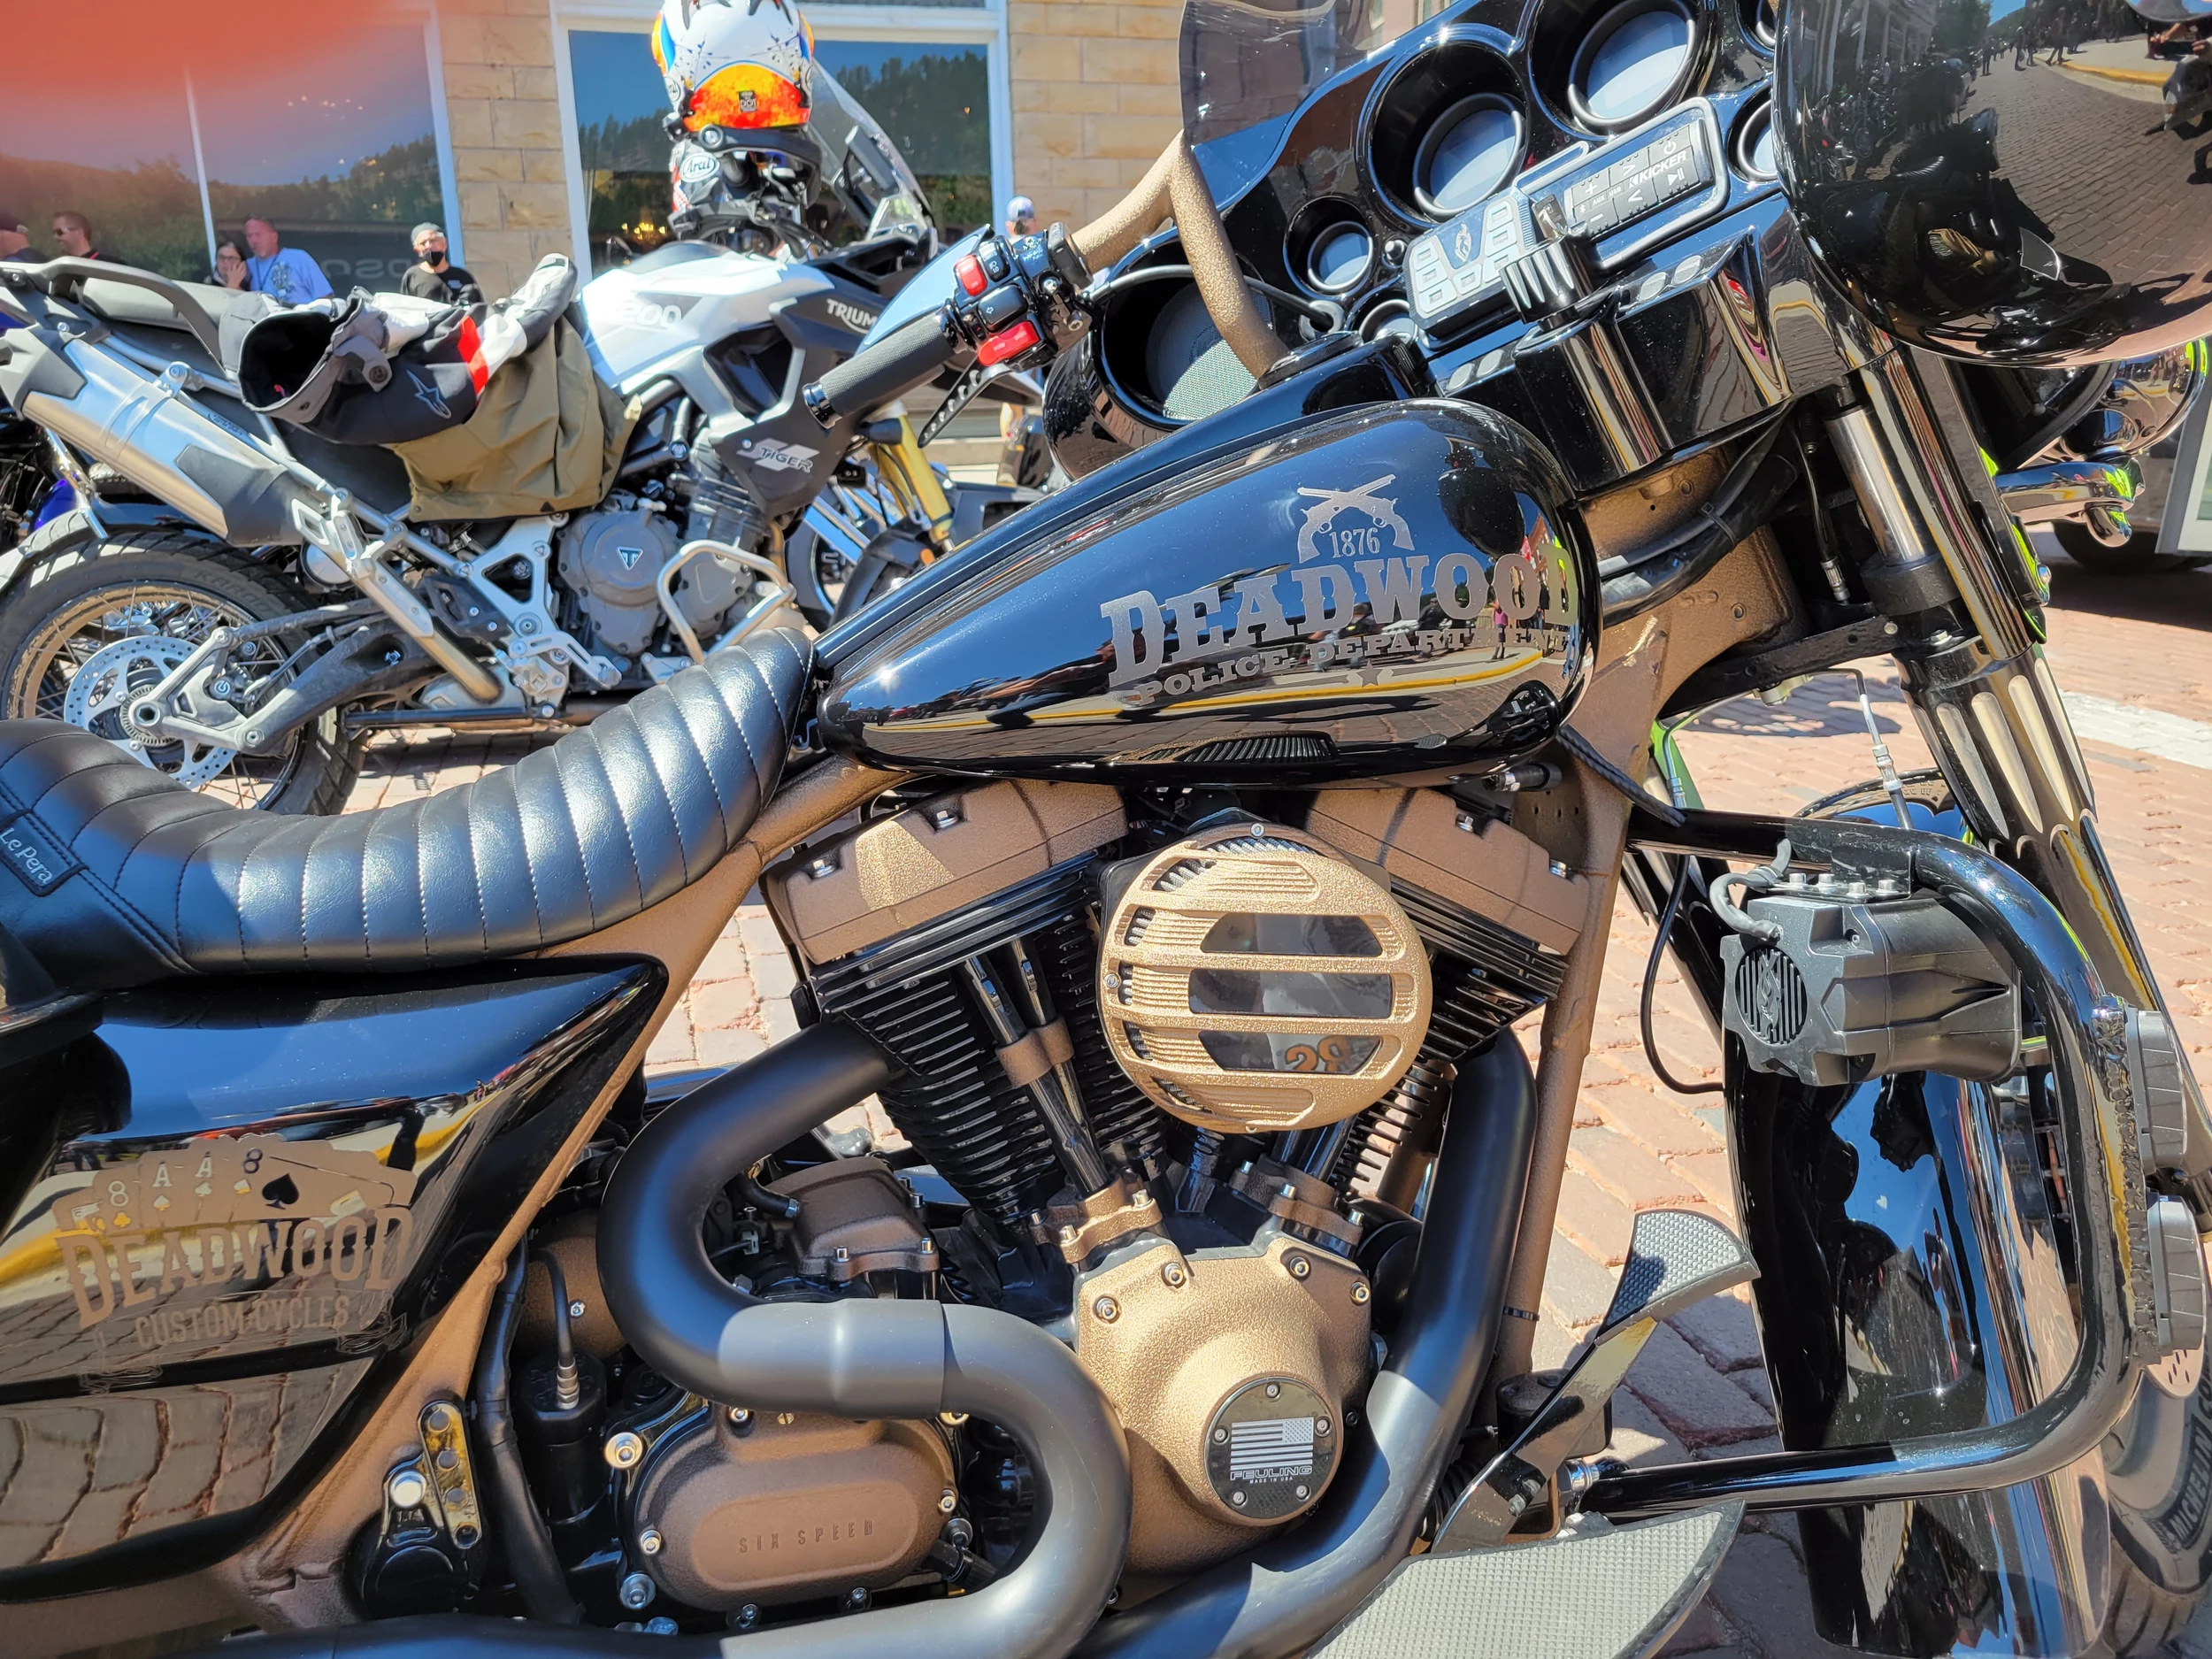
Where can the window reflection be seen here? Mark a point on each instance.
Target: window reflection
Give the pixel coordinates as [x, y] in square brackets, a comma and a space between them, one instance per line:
[620, 143]
[933, 101]
[134, 180]
[340, 149]
[331, 136]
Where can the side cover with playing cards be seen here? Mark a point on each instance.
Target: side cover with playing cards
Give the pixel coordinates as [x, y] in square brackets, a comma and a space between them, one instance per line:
[223, 1204]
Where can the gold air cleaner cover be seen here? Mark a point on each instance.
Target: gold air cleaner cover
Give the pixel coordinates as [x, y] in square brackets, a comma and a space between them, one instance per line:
[1251, 980]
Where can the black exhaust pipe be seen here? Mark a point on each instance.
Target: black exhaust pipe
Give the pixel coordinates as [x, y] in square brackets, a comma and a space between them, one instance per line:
[858, 1359]
[1278, 1600]
[862, 1359]
[1285, 1596]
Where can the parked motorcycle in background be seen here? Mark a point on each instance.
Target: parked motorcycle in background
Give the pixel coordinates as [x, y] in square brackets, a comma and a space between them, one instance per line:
[248, 599]
[1172, 864]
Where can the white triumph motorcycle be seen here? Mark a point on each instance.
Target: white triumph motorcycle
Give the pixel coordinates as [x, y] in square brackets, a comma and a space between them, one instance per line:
[241, 604]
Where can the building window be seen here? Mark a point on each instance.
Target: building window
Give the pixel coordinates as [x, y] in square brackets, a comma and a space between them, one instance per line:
[933, 98]
[934, 102]
[336, 146]
[135, 179]
[330, 136]
[620, 143]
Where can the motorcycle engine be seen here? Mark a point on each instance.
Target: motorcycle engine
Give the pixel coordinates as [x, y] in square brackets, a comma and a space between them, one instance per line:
[1273, 1017]
[763, 1508]
[1171, 1078]
[610, 561]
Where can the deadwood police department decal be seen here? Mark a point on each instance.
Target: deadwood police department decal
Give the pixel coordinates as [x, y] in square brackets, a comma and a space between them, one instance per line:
[1357, 567]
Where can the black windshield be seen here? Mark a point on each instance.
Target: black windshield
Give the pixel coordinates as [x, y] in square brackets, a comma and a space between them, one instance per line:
[1245, 62]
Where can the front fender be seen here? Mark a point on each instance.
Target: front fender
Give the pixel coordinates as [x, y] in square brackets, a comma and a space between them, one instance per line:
[69, 531]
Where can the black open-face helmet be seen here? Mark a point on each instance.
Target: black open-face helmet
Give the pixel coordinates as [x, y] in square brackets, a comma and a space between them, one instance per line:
[2037, 215]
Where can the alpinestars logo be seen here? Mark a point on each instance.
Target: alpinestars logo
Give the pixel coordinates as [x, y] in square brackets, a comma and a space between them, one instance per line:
[1319, 538]
[426, 394]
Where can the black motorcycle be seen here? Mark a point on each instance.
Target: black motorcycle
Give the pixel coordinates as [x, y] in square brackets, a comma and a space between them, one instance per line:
[1170, 864]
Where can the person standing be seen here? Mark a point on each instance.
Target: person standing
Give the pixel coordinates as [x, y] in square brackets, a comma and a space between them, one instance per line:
[434, 277]
[286, 274]
[72, 236]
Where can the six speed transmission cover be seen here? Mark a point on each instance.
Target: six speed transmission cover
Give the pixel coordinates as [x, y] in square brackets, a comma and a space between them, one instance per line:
[1250, 979]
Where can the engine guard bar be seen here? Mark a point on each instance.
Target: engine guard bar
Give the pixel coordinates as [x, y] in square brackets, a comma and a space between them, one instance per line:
[2096, 1096]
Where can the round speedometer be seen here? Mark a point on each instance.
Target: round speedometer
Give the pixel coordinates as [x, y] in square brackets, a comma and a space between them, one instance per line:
[1470, 152]
[1632, 65]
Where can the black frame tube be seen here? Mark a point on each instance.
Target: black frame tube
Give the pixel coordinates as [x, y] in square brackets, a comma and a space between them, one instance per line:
[523, 1536]
[2083, 1025]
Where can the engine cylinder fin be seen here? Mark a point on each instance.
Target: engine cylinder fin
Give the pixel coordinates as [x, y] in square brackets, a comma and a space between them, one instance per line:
[722, 508]
[954, 1100]
[1485, 976]
[1122, 1121]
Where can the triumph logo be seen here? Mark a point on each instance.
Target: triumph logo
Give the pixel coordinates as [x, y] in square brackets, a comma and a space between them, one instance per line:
[629, 556]
[1358, 594]
[855, 318]
[777, 456]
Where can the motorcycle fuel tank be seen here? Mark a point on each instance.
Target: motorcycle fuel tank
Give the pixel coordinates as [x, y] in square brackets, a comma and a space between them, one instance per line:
[681, 297]
[1397, 587]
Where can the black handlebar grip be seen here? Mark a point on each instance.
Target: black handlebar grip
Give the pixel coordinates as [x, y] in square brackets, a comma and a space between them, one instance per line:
[876, 375]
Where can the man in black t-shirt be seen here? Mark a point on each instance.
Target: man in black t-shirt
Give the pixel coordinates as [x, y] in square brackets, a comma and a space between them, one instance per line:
[435, 277]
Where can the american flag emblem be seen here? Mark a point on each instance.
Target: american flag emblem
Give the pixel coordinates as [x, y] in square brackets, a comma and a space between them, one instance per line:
[1272, 1448]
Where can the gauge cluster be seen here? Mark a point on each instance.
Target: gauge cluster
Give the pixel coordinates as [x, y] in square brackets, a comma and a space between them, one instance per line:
[1401, 189]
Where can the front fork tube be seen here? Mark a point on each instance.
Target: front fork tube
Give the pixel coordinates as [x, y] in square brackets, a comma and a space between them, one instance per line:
[1982, 692]
[1969, 642]
[913, 483]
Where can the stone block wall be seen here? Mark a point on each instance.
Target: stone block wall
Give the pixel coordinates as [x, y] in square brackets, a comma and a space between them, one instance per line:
[505, 116]
[1096, 98]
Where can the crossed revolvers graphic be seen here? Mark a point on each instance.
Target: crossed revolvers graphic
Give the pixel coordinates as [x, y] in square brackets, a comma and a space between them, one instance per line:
[1329, 503]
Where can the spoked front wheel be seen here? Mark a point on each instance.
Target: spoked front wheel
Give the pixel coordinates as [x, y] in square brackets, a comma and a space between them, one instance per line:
[90, 631]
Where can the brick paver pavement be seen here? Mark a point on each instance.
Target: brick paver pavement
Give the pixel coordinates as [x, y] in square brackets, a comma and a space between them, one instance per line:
[1699, 1389]
[2079, 148]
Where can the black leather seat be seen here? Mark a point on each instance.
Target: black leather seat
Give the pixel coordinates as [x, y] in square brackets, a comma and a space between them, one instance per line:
[117, 876]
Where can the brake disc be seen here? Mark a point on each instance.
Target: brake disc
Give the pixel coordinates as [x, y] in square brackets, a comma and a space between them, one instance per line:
[114, 677]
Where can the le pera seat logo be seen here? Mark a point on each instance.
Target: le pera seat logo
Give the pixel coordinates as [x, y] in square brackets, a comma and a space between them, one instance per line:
[1355, 567]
